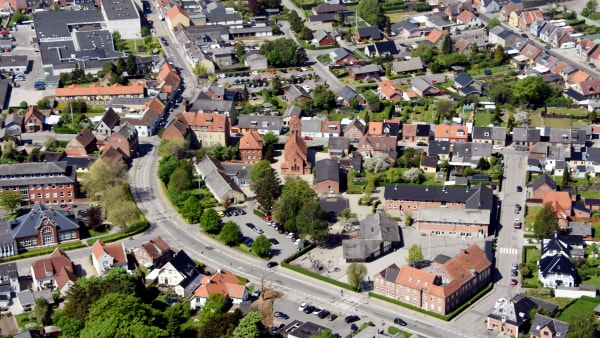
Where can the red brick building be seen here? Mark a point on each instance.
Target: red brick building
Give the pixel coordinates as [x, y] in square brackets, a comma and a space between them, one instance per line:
[82, 145]
[295, 160]
[46, 182]
[34, 120]
[43, 226]
[328, 177]
[441, 287]
[250, 146]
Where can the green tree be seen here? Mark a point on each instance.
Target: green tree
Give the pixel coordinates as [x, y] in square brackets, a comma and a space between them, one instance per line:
[239, 47]
[102, 176]
[166, 167]
[118, 315]
[305, 34]
[43, 311]
[368, 10]
[546, 222]
[394, 175]
[295, 21]
[180, 180]
[356, 273]
[131, 65]
[176, 315]
[324, 334]
[312, 220]
[323, 98]
[120, 65]
[230, 233]
[214, 306]
[249, 327]
[254, 6]
[295, 193]
[415, 254]
[270, 140]
[566, 177]
[499, 55]
[444, 109]
[582, 325]
[210, 221]
[221, 325]
[9, 200]
[591, 5]
[283, 52]
[192, 211]
[262, 246]
[414, 175]
[94, 216]
[493, 23]
[446, 46]
[119, 43]
[483, 164]
[200, 69]
[43, 104]
[532, 89]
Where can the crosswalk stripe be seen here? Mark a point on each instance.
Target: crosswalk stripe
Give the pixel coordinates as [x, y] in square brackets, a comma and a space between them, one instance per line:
[508, 251]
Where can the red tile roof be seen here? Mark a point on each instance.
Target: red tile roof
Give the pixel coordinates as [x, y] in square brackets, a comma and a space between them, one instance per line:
[251, 140]
[435, 35]
[97, 90]
[175, 11]
[115, 250]
[465, 16]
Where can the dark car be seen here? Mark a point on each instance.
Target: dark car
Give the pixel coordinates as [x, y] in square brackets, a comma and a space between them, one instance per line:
[514, 272]
[353, 328]
[280, 315]
[241, 211]
[351, 319]
[422, 144]
[273, 241]
[331, 317]
[519, 188]
[250, 225]
[399, 321]
[323, 313]
[271, 264]
[309, 309]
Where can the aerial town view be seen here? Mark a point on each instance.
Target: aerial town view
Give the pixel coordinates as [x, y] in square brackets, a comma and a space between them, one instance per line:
[299, 168]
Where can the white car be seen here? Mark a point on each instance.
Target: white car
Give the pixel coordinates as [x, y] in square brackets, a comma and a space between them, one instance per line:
[255, 72]
[498, 147]
[304, 69]
[306, 87]
[499, 302]
[302, 307]
[222, 76]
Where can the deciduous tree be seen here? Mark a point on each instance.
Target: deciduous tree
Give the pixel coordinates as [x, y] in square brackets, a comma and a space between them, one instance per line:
[210, 221]
[9, 200]
[415, 254]
[214, 306]
[262, 246]
[249, 327]
[192, 211]
[356, 273]
[414, 175]
[546, 222]
[230, 233]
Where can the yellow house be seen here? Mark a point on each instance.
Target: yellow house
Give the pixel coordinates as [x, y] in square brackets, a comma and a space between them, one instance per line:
[176, 16]
[513, 19]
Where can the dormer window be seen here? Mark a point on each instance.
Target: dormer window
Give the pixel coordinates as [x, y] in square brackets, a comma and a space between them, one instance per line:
[254, 123]
[487, 134]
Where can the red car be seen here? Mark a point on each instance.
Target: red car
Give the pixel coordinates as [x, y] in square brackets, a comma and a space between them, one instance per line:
[308, 138]
[513, 282]
[267, 218]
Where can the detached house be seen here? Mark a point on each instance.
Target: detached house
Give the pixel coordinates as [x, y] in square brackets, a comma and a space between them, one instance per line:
[208, 129]
[414, 64]
[371, 145]
[451, 133]
[154, 253]
[494, 135]
[354, 131]
[365, 72]
[108, 256]
[467, 19]
[108, 124]
[367, 33]
[125, 141]
[322, 39]
[222, 282]
[54, 273]
[250, 147]
[34, 120]
[379, 235]
[180, 274]
[343, 56]
[547, 327]
[415, 132]
[82, 145]
[467, 85]
[222, 187]
[555, 267]
[390, 91]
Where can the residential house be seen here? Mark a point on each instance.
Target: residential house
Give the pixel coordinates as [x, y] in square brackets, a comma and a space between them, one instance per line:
[527, 17]
[406, 29]
[343, 57]
[295, 160]
[526, 136]
[42, 226]
[382, 48]
[531, 52]
[262, 124]
[338, 147]
[54, 272]
[238, 172]
[327, 179]
[177, 16]
[108, 124]
[251, 147]
[542, 185]
[293, 93]
[440, 149]
[568, 137]
[466, 19]
[9, 276]
[311, 127]
[33, 121]
[180, 274]
[385, 127]
[125, 141]
[329, 8]
[347, 94]
[592, 161]
[153, 254]
[555, 267]
[493, 135]
[511, 317]
[367, 33]
[466, 85]
[547, 327]
[441, 287]
[508, 8]
[322, 38]
[48, 182]
[147, 120]
[435, 36]
[291, 110]
[179, 129]
[415, 132]
[221, 282]
[321, 19]
[82, 145]
[429, 164]
[486, 6]
[412, 198]
[108, 256]
[208, 129]
[354, 131]
[590, 89]
[365, 72]
[218, 182]
[379, 234]
[371, 145]
[390, 91]
[413, 64]
[423, 87]
[451, 133]
[330, 129]
[220, 107]
[13, 126]
[469, 153]
[95, 92]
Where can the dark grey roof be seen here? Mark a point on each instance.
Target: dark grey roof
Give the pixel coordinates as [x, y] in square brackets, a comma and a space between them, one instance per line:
[8, 61]
[347, 93]
[526, 134]
[592, 201]
[569, 136]
[439, 147]
[544, 178]
[558, 328]
[339, 53]
[327, 17]
[477, 197]
[260, 122]
[119, 9]
[406, 24]
[240, 171]
[96, 39]
[366, 69]
[337, 143]
[386, 47]
[558, 264]
[54, 24]
[80, 162]
[410, 65]
[207, 106]
[463, 79]
[28, 224]
[430, 161]
[8, 270]
[390, 273]
[110, 118]
[327, 169]
[36, 173]
[469, 90]
[185, 265]
[292, 110]
[223, 18]
[307, 330]
[536, 302]
[370, 32]
[379, 227]
[554, 245]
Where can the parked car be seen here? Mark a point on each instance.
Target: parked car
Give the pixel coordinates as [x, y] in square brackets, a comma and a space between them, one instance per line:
[519, 188]
[323, 313]
[280, 315]
[271, 264]
[331, 317]
[258, 230]
[274, 241]
[399, 321]
[353, 328]
[309, 309]
[422, 144]
[302, 307]
[250, 225]
[517, 208]
[514, 282]
[308, 138]
[351, 319]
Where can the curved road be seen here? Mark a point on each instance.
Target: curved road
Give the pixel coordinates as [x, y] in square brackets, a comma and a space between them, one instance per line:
[146, 190]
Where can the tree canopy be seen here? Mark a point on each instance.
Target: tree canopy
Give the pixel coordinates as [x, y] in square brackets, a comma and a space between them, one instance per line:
[356, 273]
[283, 52]
[415, 254]
[210, 221]
[262, 246]
[249, 327]
[230, 233]
[546, 222]
[265, 182]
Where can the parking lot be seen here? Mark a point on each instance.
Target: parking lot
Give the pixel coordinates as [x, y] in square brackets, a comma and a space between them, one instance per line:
[255, 81]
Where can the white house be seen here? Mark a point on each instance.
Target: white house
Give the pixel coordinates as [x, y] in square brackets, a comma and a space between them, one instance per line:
[555, 267]
[180, 274]
[108, 256]
[223, 282]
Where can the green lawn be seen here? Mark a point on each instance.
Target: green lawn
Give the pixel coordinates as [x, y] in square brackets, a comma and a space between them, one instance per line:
[532, 211]
[397, 16]
[394, 330]
[581, 305]
[26, 318]
[483, 119]
[594, 280]
[535, 120]
[325, 58]
[557, 123]
[532, 255]
[568, 111]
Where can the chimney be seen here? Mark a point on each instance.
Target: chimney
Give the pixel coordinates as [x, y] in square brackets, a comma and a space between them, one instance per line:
[42, 331]
[218, 270]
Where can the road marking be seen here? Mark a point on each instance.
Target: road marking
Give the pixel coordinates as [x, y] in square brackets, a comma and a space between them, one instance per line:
[508, 251]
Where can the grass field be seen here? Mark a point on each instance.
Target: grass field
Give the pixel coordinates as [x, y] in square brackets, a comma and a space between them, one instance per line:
[557, 123]
[483, 119]
[532, 255]
[568, 111]
[582, 305]
[535, 120]
[398, 16]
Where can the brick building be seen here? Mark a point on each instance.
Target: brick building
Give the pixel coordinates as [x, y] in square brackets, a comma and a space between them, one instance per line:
[295, 160]
[250, 146]
[48, 182]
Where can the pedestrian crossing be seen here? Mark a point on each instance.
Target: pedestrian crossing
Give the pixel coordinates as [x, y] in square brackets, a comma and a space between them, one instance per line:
[508, 251]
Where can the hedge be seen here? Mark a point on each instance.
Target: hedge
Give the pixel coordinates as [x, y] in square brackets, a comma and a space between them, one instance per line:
[134, 229]
[258, 213]
[299, 253]
[318, 276]
[44, 251]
